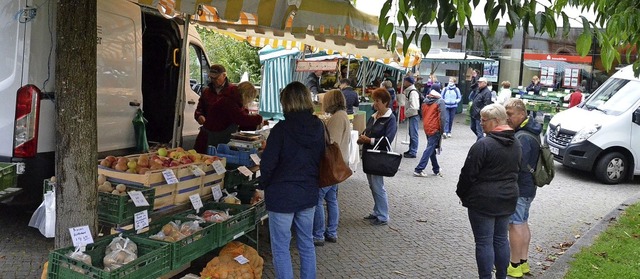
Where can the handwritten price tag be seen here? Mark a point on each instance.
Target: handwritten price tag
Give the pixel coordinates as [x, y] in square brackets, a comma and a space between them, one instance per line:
[141, 220]
[197, 171]
[138, 199]
[218, 167]
[217, 192]
[255, 158]
[258, 173]
[169, 176]
[196, 202]
[244, 170]
[241, 259]
[81, 236]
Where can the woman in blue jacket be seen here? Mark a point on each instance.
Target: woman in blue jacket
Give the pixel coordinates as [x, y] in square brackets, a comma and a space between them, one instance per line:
[381, 124]
[451, 96]
[290, 168]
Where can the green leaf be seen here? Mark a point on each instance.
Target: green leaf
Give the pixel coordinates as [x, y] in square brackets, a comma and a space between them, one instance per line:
[425, 44]
[540, 19]
[525, 23]
[566, 27]
[484, 44]
[470, 39]
[381, 27]
[385, 8]
[585, 24]
[583, 44]
[514, 18]
[394, 41]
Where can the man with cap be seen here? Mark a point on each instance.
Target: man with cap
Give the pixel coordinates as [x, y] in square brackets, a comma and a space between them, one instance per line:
[480, 100]
[411, 111]
[218, 86]
[433, 121]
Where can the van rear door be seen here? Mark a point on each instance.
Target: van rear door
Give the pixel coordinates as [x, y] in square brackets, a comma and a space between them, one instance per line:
[12, 46]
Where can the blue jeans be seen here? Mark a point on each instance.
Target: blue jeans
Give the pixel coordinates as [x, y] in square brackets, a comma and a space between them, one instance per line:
[280, 234]
[477, 128]
[380, 200]
[451, 114]
[414, 123]
[329, 194]
[430, 153]
[521, 216]
[492, 246]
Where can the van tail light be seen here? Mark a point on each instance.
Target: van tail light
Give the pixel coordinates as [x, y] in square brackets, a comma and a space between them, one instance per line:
[25, 140]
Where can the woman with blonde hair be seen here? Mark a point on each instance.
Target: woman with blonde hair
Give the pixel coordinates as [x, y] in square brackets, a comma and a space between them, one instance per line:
[339, 132]
[290, 168]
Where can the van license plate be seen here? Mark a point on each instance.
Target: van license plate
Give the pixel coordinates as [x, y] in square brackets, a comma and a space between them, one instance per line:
[554, 150]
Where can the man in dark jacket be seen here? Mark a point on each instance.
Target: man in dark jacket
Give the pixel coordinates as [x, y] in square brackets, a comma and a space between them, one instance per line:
[481, 99]
[350, 96]
[433, 121]
[313, 83]
[488, 187]
[528, 133]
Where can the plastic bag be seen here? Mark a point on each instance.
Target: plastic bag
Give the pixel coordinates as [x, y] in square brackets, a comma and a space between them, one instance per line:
[80, 256]
[139, 126]
[119, 252]
[44, 218]
[215, 216]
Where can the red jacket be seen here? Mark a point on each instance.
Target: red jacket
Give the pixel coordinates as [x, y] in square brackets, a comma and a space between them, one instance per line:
[229, 110]
[209, 97]
[575, 98]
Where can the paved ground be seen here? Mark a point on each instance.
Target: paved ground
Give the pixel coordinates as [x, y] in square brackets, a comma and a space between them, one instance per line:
[428, 235]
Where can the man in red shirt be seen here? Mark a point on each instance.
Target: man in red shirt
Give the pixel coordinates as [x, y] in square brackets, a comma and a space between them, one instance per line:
[575, 98]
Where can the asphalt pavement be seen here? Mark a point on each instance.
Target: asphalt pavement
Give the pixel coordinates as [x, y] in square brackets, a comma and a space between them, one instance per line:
[428, 235]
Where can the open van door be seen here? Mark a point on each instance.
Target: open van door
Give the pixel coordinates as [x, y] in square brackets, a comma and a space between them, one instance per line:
[635, 139]
[197, 70]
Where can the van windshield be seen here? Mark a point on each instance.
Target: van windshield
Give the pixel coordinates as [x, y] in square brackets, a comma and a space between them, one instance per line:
[614, 97]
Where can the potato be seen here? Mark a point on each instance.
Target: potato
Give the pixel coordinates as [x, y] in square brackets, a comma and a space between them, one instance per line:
[105, 188]
[121, 188]
[115, 192]
[101, 179]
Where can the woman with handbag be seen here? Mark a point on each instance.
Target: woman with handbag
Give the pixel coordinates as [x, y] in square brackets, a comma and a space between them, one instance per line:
[290, 168]
[381, 129]
[339, 131]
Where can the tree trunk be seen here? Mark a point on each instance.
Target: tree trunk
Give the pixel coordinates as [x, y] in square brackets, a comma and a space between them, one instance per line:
[76, 133]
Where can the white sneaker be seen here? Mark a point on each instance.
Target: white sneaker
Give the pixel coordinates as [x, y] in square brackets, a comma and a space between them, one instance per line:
[448, 135]
[420, 174]
[439, 174]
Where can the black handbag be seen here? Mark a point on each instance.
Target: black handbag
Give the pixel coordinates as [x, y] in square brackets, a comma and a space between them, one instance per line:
[381, 162]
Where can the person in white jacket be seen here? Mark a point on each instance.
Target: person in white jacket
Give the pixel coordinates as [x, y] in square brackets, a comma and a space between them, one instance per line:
[505, 93]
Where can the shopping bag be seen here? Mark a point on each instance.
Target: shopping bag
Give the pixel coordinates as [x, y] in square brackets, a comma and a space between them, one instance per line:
[381, 162]
[139, 126]
[44, 218]
[333, 169]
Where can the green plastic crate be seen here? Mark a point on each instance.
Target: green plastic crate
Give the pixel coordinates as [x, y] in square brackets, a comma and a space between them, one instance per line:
[119, 209]
[242, 220]
[8, 175]
[189, 248]
[233, 178]
[153, 261]
[261, 211]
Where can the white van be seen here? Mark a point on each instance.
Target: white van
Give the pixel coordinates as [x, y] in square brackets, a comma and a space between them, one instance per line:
[138, 55]
[601, 135]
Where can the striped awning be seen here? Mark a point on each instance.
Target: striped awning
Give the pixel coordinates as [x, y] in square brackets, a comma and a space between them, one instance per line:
[322, 24]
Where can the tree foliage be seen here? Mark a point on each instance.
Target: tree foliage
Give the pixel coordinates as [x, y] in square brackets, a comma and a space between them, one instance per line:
[616, 27]
[237, 57]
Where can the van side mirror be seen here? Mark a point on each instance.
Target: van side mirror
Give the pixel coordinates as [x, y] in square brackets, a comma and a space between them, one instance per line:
[636, 116]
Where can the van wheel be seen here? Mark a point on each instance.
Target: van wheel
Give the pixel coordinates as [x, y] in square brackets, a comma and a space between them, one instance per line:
[611, 168]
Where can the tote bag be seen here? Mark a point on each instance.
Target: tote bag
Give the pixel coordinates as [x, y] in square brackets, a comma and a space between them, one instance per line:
[333, 169]
[381, 162]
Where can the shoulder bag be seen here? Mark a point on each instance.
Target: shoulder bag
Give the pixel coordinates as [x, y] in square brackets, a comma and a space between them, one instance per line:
[333, 169]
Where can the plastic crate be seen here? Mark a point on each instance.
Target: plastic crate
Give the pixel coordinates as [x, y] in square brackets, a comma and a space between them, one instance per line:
[189, 248]
[8, 175]
[233, 178]
[47, 185]
[242, 220]
[119, 209]
[153, 261]
[240, 157]
[261, 211]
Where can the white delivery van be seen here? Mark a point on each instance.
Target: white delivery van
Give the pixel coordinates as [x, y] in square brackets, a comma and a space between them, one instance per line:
[601, 135]
[138, 55]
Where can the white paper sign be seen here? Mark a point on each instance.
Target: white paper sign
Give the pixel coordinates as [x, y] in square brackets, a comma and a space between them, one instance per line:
[258, 173]
[138, 199]
[169, 176]
[197, 171]
[241, 259]
[141, 220]
[217, 192]
[196, 201]
[81, 236]
[244, 170]
[218, 167]
[255, 158]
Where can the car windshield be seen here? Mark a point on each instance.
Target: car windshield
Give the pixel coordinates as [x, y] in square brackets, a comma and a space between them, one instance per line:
[614, 97]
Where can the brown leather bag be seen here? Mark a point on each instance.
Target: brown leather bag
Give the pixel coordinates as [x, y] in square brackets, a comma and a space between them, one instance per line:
[333, 169]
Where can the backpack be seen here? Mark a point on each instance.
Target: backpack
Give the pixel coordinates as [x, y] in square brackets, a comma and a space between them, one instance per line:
[420, 97]
[544, 171]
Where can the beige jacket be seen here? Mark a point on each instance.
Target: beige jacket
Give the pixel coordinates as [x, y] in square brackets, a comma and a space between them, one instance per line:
[339, 131]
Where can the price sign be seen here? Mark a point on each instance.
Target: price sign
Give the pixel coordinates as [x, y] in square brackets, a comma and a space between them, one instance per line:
[196, 202]
[241, 259]
[217, 192]
[258, 173]
[169, 176]
[138, 199]
[81, 236]
[218, 167]
[244, 170]
[141, 220]
[197, 171]
[255, 158]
